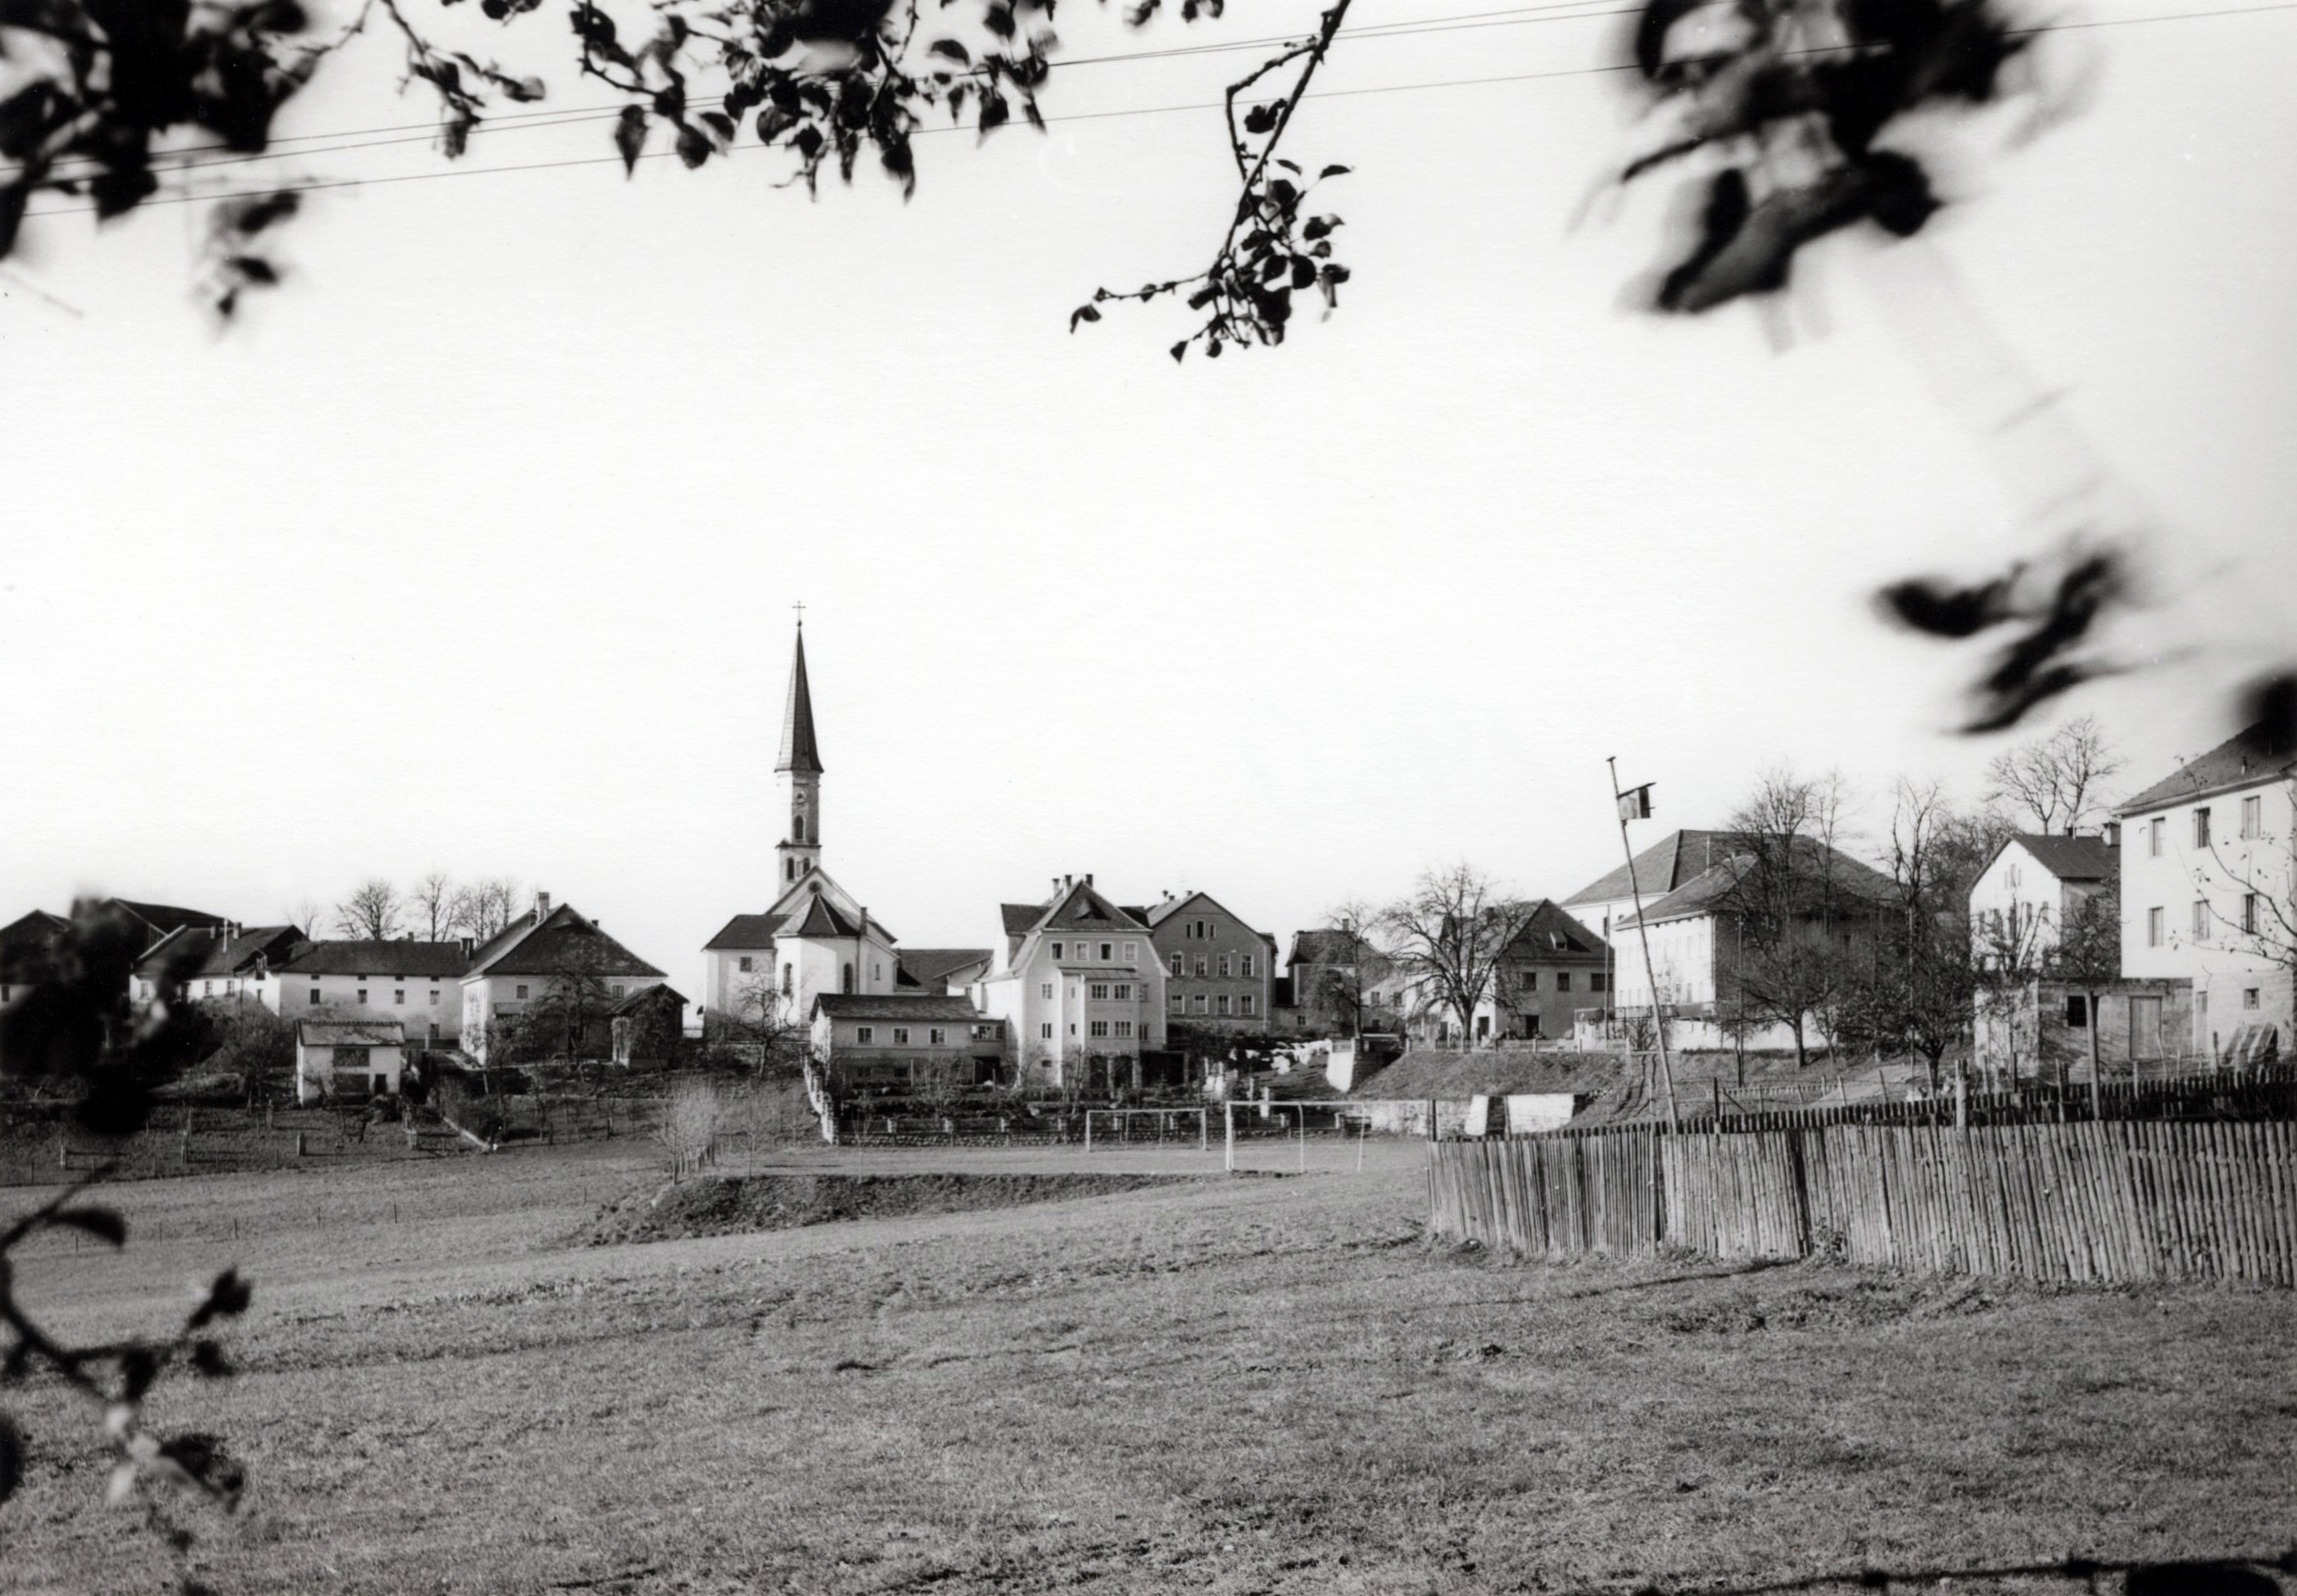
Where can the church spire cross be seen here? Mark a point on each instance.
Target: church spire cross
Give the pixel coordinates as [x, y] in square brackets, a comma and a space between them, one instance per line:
[800, 752]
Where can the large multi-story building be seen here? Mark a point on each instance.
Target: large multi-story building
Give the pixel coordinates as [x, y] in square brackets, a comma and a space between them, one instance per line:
[417, 984]
[2209, 891]
[1219, 972]
[1079, 987]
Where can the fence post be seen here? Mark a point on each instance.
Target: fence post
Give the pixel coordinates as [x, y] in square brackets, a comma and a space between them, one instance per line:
[1088, 1131]
[1228, 1118]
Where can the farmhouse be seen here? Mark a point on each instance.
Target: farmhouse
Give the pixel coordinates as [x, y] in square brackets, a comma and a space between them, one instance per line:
[905, 1039]
[547, 955]
[219, 964]
[351, 1057]
[419, 983]
[2032, 888]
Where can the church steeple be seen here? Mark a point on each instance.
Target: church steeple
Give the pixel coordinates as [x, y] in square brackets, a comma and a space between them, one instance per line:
[798, 775]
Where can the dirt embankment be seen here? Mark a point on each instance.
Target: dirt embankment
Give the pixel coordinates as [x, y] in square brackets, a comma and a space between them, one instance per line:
[730, 1204]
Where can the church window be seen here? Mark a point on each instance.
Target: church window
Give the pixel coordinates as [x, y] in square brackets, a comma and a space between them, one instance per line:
[846, 979]
[789, 869]
[900, 1036]
[748, 964]
[789, 979]
[797, 828]
[865, 1033]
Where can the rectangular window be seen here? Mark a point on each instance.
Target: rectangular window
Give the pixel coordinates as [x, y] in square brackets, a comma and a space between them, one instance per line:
[1100, 1027]
[1244, 1004]
[865, 1033]
[1180, 963]
[2252, 817]
[1203, 964]
[1596, 981]
[1201, 1005]
[748, 964]
[1132, 953]
[1180, 1002]
[1121, 991]
[1212, 929]
[1225, 964]
[2249, 997]
[900, 1036]
[1124, 1027]
[315, 997]
[1563, 981]
[936, 1036]
[1247, 964]
[2200, 919]
[362, 992]
[434, 997]
[1046, 1030]
[1099, 993]
[520, 990]
[1107, 953]
[1531, 981]
[399, 997]
[2201, 827]
[1224, 1002]
[616, 989]
[2076, 1012]
[1056, 950]
[2249, 913]
[2153, 927]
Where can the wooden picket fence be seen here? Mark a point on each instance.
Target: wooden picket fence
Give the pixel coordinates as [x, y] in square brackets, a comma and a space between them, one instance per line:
[2098, 1202]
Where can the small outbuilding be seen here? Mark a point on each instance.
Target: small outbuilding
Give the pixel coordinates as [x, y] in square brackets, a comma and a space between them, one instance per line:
[353, 1058]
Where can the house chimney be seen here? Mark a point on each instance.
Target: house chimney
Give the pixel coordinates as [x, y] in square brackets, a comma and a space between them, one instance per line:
[469, 944]
[1057, 886]
[541, 907]
[2112, 834]
[1088, 878]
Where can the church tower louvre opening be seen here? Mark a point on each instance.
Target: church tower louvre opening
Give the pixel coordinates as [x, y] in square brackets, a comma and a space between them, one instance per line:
[797, 775]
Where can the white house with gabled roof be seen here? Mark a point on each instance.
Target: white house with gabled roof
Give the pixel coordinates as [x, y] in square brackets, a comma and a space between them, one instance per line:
[1079, 987]
[544, 949]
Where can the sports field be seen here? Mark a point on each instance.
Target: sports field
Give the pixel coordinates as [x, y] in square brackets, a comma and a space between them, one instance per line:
[1229, 1385]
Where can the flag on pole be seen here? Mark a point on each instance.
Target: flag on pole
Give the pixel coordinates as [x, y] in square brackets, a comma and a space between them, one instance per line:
[1635, 804]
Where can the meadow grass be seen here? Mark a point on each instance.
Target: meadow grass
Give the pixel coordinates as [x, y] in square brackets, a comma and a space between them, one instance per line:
[1240, 1385]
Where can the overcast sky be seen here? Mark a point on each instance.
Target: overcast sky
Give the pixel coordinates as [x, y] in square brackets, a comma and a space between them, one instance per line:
[475, 546]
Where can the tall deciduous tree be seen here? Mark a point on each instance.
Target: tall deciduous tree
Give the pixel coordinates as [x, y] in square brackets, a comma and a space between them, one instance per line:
[373, 912]
[432, 905]
[2057, 780]
[485, 908]
[1445, 939]
[1790, 901]
[2087, 954]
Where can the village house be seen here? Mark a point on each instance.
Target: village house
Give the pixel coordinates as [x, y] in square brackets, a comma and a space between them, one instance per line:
[352, 1058]
[1699, 942]
[543, 954]
[1078, 986]
[1332, 971]
[2209, 891]
[1218, 970]
[903, 1038]
[2032, 889]
[938, 972]
[220, 963]
[25, 941]
[1551, 968]
[419, 983]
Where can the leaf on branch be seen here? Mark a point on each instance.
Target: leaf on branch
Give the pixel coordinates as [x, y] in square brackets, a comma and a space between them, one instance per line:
[1084, 313]
[1260, 119]
[1179, 350]
[226, 1298]
[720, 126]
[209, 1360]
[994, 111]
[104, 1224]
[1333, 171]
[951, 49]
[630, 136]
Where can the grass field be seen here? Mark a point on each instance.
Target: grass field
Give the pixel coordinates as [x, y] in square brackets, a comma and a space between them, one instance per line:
[1233, 1386]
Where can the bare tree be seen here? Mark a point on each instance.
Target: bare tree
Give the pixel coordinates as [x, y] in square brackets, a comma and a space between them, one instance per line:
[760, 1020]
[2087, 954]
[689, 1125]
[1446, 939]
[432, 903]
[2058, 779]
[307, 916]
[371, 913]
[485, 908]
[1345, 989]
[1792, 898]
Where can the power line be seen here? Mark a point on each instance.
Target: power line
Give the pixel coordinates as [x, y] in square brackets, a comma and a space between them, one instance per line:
[317, 185]
[559, 116]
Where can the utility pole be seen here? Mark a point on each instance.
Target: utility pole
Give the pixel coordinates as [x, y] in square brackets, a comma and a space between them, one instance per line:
[1619, 804]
